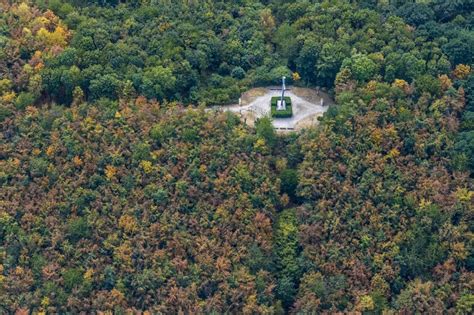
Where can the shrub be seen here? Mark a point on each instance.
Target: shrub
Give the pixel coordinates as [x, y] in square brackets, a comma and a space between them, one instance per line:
[281, 113]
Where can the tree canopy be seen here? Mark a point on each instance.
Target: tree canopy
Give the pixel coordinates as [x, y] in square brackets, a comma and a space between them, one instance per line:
[121, 192]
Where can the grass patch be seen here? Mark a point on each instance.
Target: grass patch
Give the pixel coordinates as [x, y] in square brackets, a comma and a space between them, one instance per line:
[287, 113]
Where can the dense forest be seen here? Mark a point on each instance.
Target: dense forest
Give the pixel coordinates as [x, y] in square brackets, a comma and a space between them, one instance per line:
[121, 193]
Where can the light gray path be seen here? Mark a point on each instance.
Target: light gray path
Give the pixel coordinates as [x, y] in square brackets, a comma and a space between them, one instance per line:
[303, 110]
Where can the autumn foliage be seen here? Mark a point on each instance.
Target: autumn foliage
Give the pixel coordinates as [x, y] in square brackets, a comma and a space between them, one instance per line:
[164, 210]
[117, 198]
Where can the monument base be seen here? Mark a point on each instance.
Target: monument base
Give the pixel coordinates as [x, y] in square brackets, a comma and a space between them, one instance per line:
[279, 109]
[281, 105]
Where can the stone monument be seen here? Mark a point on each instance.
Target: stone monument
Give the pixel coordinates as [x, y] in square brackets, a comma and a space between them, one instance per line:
[281, 104]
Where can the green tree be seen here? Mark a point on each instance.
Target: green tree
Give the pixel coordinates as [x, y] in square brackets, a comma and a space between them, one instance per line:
[289, 182]
[286, 250]
[73, 278]
[266, 131]
[428, 84]
[361, 67]
[285, 39]
[238, 73]
[158, 82]
[307, 60]
[107, 86]
[77, 229]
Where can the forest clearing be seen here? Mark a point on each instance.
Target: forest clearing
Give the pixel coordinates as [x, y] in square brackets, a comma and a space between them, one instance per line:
[307, 107]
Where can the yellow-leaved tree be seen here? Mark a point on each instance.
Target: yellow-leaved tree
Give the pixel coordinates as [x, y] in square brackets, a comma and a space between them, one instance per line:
[49, 39]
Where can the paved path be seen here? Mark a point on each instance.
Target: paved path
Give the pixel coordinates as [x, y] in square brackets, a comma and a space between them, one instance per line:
[303, 110]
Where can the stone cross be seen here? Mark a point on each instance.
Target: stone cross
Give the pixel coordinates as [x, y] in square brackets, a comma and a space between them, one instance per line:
[281, 105]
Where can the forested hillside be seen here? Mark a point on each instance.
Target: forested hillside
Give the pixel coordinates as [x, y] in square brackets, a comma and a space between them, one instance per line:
[121, 193]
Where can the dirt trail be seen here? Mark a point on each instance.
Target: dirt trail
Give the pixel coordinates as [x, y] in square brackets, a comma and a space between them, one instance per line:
[306, 107]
